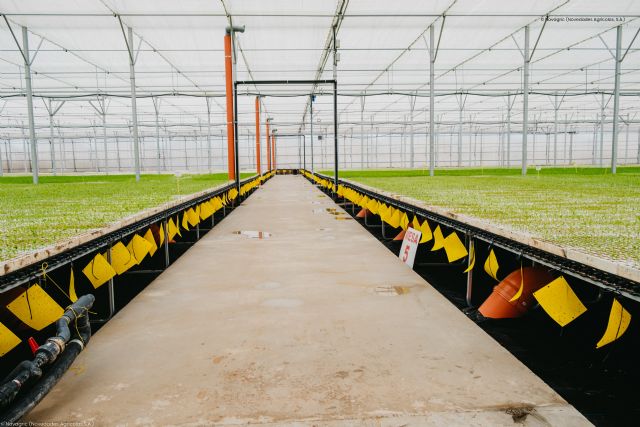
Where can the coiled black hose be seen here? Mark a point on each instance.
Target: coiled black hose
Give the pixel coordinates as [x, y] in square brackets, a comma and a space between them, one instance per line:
[59, 351]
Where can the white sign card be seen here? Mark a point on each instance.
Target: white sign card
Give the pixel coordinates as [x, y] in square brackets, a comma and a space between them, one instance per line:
[409, 246]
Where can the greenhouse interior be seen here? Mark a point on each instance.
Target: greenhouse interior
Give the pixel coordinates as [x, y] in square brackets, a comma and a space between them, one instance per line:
[407, 213]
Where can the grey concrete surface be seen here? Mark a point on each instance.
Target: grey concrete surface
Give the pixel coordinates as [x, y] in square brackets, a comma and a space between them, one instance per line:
[306, 327]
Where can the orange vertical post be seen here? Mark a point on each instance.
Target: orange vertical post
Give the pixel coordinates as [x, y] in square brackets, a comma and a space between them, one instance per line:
[259, 169]
[268, 147]
[273, 149]
[229, 86]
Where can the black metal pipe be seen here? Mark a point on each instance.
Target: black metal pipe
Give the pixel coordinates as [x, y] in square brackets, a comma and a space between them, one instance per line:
[59, 351]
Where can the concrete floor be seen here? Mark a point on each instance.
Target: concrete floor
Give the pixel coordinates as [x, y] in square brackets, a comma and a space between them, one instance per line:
[317, 325]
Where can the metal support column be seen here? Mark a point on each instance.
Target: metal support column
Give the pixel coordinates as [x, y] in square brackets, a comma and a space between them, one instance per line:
[412, 100]
[525, 100]
[32, 127]
[335, 108]
[509, 105]
[432, 127]
[311, 122]
[156, 108]
[616, 101]
[555, 129]
[209, 148]
[134, 106]
[601, 149]
[362, 157]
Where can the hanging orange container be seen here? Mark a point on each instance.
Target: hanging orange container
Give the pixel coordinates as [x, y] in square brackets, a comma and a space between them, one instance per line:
[499, 304]
[364, 212]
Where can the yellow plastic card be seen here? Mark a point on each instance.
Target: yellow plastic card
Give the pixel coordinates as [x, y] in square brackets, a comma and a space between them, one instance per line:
[148, 236]
[427, 235]
[415, 224]
[98, 271]
[404, 221]
[559, 301]
[8, 340]
[139, 247]
[491, 265]
[35, 308]
[121, 259]
[619, 320]
[161, 235]
[192, 217]
[438, 239]
[454, 247]
[394, 218]
[206, 210]
[373, 206]
[472, 257]
[177, 223]
[172, 230]
[185, 222]
[383, 211]
[72, 287]
[519, 293]
[364, 202]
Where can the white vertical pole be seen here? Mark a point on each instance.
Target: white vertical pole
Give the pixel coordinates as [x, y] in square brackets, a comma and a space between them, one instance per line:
[134, 109]
[616, 101]
[432, 127]
[32, 127]
[525, 101]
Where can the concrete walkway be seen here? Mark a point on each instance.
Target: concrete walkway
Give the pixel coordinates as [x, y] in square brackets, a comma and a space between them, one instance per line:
[317, 325]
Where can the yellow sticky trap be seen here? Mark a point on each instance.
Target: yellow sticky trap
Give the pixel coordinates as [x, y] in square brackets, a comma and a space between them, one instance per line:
[472, 257]
[192, 217]
[454, 247]
[177, 226]
[72, 288]
[121, 259]
[415, 224]
[139, 248]
[394, 218]
[491, 265]
[519, 293]
[427, 235]
[172, 230]
[373, 206]
[404, 221]
[161, 235]
[148, 236]
[206, 210]
[619, 320]
[438, 239]
[98, 271]
[185, 222]
[364, 202]
[559, 301]
[383, 211]
[35, 308]
[8, 340]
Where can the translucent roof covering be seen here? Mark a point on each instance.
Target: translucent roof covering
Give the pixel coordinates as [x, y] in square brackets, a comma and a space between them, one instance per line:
[80, 56]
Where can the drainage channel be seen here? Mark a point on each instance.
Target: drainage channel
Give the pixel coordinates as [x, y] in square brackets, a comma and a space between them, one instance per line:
[600, 383]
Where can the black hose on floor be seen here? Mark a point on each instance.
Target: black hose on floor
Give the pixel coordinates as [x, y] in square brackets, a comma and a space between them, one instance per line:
[59, 351]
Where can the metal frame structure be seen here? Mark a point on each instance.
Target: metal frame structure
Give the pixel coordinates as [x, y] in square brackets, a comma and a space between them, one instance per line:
[390, 53]
[288, 82]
